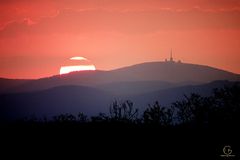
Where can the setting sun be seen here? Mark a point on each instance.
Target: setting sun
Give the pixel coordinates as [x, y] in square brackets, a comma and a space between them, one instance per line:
[83, 65]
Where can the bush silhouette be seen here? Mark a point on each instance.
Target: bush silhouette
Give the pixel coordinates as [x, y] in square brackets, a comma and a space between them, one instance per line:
[100, 118]
[65, 118]
[82, 118]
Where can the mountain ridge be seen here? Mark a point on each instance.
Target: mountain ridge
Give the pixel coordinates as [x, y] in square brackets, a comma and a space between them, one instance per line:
[171, 72]
[91, 101]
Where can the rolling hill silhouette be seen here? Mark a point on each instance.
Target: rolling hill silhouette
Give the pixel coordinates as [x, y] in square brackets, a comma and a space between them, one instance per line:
[91, 101]
[129, 88]
[164, 72]
[174, 72]
[92, 92]
[170, 95]
[54, 101]
[6, 85]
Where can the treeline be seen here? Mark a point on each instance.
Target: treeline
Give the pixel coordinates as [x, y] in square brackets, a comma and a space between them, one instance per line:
[220, 109]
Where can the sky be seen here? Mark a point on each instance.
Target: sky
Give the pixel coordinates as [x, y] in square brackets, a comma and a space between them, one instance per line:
[38, 36]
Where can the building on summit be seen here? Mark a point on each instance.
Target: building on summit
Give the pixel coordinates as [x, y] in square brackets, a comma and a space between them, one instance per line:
[171, 60]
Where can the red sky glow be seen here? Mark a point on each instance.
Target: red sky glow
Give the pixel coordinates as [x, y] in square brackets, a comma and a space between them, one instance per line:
[37, 37]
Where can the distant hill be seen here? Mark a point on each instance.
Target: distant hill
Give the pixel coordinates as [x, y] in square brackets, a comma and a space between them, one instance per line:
[169, 72]
[91, 101]
[92, 92]
[58, 100]
[174, 72]
[135, 87]
[167, 96]
[8, 84]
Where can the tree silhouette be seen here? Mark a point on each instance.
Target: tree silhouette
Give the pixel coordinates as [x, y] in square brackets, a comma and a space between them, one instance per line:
[157, 114]
[220, 109]
[227, 105]
[194, 109]
[123, 112]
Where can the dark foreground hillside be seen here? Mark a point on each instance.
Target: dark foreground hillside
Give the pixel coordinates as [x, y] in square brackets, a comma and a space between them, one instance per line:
[196, 127]
[103, 140]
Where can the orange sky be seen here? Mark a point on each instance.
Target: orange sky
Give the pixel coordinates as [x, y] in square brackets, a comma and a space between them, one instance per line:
[37, 37]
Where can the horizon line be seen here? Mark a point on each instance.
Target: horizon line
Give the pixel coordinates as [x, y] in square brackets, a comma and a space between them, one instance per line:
[117, 68]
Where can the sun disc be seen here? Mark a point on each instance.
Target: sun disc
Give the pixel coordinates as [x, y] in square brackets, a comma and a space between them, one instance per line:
[68, 69]
[83, 64]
